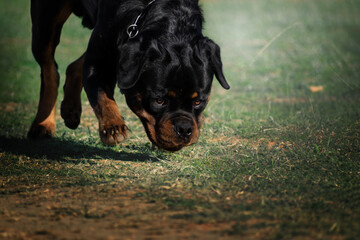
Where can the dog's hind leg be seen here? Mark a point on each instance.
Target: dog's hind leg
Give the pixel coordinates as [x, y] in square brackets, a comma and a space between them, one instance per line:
[71, 105]
[47, 18]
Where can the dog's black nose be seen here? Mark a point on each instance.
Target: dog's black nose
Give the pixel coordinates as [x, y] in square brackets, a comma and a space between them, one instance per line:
[183, 129]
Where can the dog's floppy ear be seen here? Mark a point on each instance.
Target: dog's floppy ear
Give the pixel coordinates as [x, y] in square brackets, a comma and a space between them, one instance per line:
[128, 65]
[213, 55]
[133, 61]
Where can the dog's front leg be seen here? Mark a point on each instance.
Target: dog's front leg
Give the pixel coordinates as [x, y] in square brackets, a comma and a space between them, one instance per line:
[100, 91]
[112, 128]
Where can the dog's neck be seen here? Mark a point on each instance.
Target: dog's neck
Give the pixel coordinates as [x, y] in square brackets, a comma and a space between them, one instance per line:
[174, 19]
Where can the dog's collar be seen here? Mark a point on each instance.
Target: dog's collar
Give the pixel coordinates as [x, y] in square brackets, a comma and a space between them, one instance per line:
[132, 30]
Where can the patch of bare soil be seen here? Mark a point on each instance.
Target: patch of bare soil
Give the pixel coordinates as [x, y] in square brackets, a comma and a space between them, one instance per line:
[95, 212]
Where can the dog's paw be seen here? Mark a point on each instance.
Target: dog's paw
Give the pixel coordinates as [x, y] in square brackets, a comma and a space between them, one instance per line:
[41, 131]
[112, 134]
[71, 114]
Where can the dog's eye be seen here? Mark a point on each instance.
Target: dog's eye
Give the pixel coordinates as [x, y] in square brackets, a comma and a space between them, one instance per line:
[197, 102]
[160, 101]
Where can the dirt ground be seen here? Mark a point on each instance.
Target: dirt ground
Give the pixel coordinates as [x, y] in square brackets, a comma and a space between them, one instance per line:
[95, 212]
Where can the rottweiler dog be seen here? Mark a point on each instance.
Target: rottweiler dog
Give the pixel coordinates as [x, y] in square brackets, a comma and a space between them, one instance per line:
[153, 50]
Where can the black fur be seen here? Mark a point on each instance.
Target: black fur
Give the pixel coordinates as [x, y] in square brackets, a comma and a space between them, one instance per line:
[170, 53]
[165, 72]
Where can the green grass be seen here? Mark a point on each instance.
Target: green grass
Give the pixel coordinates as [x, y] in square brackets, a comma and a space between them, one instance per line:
[274, 160]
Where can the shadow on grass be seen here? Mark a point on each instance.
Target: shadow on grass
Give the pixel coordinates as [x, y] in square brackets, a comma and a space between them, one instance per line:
[66, 150]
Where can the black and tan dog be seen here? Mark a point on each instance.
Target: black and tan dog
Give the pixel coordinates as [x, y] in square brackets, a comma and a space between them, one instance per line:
[153, 50]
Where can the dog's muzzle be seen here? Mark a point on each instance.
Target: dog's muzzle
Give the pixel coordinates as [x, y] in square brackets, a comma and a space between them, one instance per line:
[177, 130]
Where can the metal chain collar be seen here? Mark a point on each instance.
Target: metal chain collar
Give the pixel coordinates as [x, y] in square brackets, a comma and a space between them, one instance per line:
[132, 30]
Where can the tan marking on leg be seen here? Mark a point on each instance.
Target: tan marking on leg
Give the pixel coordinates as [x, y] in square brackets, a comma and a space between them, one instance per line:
[112, 128]
[44, 124]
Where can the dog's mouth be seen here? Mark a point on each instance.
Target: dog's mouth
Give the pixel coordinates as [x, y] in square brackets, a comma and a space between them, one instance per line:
[172, 132]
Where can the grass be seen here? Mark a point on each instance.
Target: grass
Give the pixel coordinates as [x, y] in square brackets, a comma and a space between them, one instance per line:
[275, 160]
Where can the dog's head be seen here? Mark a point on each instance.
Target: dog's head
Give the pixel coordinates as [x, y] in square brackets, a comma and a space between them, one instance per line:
[168, 87]
[166, 73]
